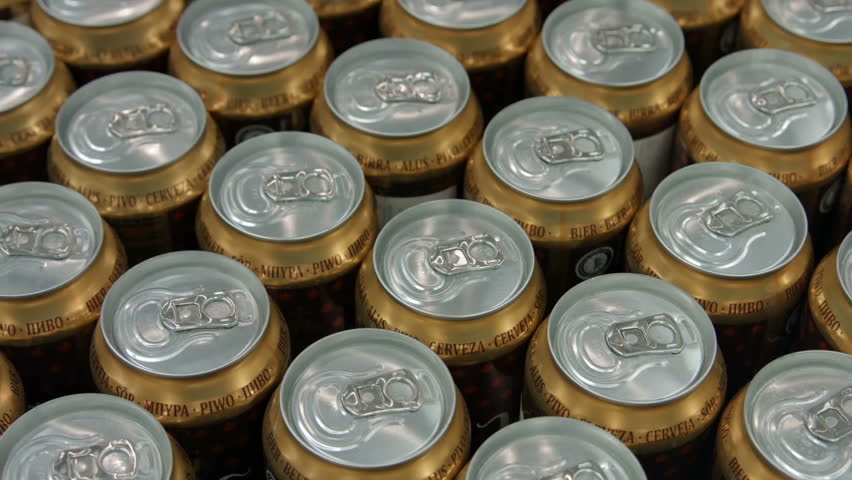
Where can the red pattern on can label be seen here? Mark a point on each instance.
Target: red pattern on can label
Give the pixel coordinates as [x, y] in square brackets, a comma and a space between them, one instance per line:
[689, 460]
[810, 338]
[151, 235]
[346, 32]
[744, 348]
[28, 166]
[238, 131]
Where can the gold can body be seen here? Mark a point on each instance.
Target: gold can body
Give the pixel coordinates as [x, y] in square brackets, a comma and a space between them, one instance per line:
[12, 397]
[668, 439]
[287, 459]
[153, 211]
[348, 22]
[48, 337]
[827, 321]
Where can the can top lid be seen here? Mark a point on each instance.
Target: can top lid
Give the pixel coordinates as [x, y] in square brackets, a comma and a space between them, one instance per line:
[185, 314]
[86, 436]
[773, 99]
[798, 412]
[728, 220]
[96, 13]
[453, 259]
[632, 339]
[844, 266]
[131, 122]
[247, 38]
[396, 87]
[462, 14]
[828, 21]
[553, 447]
[558, 149]
[26, 64]
[368, 399]
[612, 42]
[287, 186]
[49, 236]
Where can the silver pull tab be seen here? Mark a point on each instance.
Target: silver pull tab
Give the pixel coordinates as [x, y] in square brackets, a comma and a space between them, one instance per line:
[831, 6]
[636, 337]
[53, 242]
[469, 254]
[582, 145]
[393, 392]
[782, 96]
[737, 214]
[157, 119]
[14, 71]
[215, 310]
[636, 38]
[589, 471]
[317, 184]
[419, 87]
[832, 420]
[115, 460]
[272, 25]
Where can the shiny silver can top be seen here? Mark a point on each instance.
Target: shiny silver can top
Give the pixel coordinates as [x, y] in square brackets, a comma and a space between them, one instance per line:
[773, 99]
[632, 339]
[558, 149]
[287, 186]
[396, 87]
[728, 220]
[844, 266]
[26, 65]
[185, 314]
[97, 13]
[87, 436]
[828, 21]
[553, 448]
[613, 43]
[49, 236]
[131, 122]
[368, 399]
[462, 14]
[453, 259]
[247, 38]
[798, 413]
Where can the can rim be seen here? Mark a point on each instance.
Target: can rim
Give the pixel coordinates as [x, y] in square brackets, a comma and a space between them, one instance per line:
[844, 254]
[642, 8]
[654, 286]
[194, 10]
[89, 401]
[756, 177]
[569, 105]
[271, 141]
[368, 335]
[225, 265]
[82, 22]
[130, 79]
[34, 38]
[769, 55]
[73, 199]
[457, 207]
[483, 24]
[375, 48]
[776, 18]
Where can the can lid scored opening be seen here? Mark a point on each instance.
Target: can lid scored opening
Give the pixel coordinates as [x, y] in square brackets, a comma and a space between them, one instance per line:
[613, 43]
[462, 15]
[96, 13]
[632, 339]
[819, 20]
[28, 65]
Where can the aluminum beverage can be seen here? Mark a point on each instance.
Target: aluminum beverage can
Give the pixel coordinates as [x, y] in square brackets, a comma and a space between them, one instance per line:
[12, 396]
[842, 221]
[637, 357]
[295, 209]
[193, 338]
[552, 447]
[490, 37]
[563, 168]
[461, 278]
[95, 39]
[140, 146]
[366, 404]
[817, 29]
[404, 108]
[58, 259]
[776, 111]
[91, 437]
[737, 240]
[33, 85]
[348, 22]
[791, 422]
[627, 57]
[257, 65]
[827, 321]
